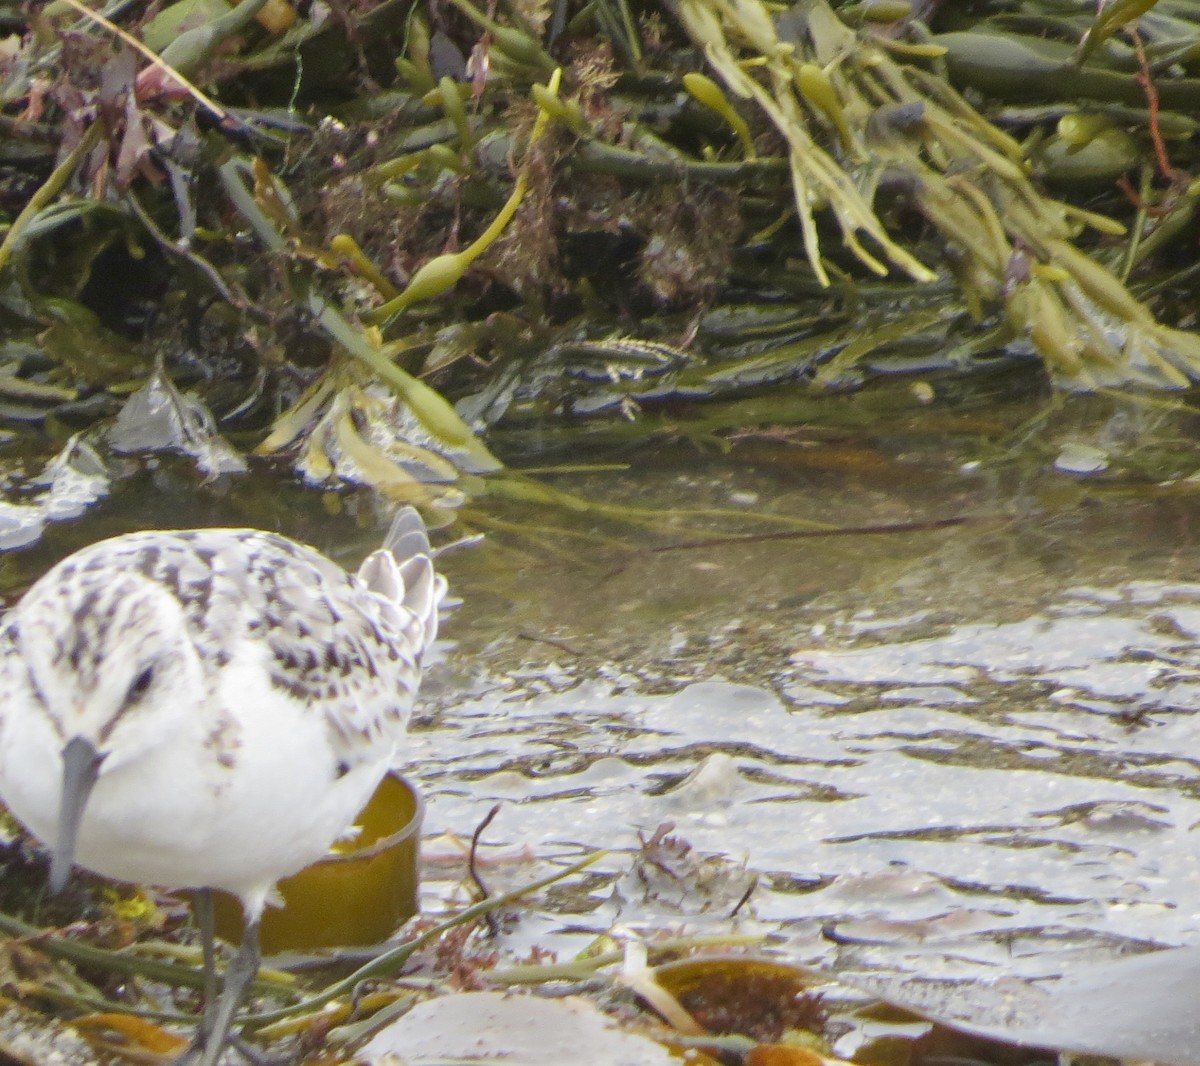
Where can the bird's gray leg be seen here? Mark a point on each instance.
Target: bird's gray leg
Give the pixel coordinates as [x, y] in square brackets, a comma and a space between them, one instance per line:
[202, 910]
[238, 975]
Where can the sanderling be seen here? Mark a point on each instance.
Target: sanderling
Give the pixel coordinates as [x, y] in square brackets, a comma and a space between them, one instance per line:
[210, 709]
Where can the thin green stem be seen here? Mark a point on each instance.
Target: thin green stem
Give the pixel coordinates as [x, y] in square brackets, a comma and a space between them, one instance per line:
[50, 188]
[389, 962]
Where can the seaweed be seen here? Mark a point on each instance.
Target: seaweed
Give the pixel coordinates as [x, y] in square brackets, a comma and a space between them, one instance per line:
[410, 227]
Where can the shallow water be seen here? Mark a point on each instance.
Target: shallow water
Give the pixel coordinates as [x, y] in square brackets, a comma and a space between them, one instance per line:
[953, 750]
[976, 792]
[966, 750]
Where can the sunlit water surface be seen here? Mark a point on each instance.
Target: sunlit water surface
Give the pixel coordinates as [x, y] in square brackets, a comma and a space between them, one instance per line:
[953, 750]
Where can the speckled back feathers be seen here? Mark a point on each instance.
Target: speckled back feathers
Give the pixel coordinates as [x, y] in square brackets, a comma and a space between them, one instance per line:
[349, 647]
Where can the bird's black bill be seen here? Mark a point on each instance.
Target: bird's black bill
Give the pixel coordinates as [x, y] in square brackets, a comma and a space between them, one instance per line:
[81, 767]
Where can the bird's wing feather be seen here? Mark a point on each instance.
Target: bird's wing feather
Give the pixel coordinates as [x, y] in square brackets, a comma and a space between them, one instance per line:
[332, 642]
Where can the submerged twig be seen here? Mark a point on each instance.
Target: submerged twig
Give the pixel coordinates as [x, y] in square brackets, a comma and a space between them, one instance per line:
[840, 531]
[473, 866]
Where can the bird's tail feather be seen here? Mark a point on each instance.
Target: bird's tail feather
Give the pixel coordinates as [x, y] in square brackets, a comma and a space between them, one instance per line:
[402, 571]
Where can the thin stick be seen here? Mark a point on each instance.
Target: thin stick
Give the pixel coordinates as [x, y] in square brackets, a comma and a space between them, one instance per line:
[152, 56]
[844, 531]
[392, 960]
[493, 921]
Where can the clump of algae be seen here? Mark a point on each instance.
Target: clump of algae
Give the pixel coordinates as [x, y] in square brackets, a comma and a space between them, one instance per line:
[893, 125]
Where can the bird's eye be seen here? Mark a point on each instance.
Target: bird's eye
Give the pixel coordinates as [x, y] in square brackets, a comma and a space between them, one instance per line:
[140, 684]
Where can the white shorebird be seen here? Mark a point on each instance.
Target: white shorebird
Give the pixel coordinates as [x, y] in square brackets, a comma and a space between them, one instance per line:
[210, 709]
